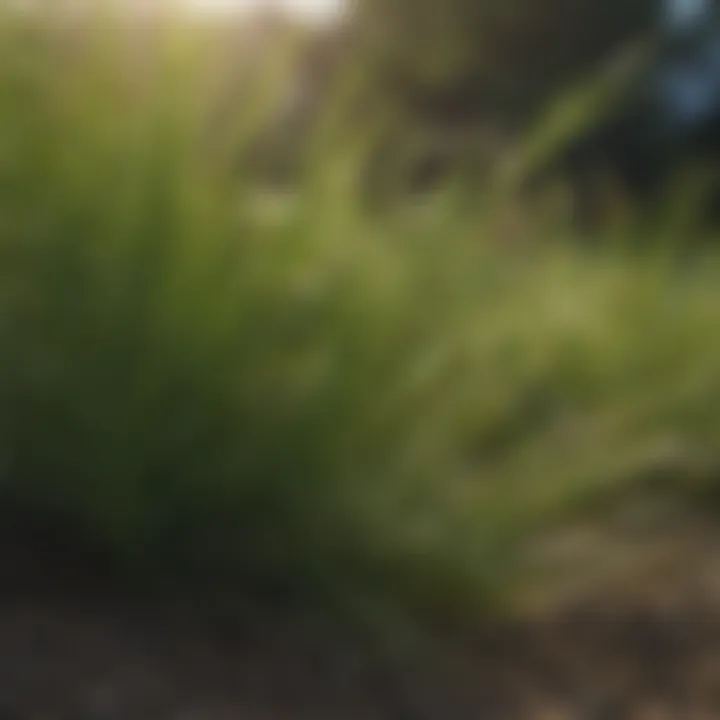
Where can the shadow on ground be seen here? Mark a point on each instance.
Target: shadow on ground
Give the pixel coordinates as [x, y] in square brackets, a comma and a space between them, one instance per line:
[71, 652]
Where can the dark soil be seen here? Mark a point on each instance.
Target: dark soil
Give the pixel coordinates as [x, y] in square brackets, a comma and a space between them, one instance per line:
[69, 651]
[66, 659]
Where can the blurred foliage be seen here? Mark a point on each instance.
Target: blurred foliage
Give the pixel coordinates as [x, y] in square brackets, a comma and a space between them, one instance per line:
[310, 397]
[463, 80]
[487, 57]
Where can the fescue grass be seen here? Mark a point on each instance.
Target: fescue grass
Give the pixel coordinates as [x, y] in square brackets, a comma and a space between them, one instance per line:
[329, 402]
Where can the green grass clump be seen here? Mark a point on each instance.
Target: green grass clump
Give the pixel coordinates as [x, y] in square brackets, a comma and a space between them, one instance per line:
[320, 400]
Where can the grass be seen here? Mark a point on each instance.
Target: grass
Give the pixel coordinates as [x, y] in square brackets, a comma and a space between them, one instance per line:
[326, 403]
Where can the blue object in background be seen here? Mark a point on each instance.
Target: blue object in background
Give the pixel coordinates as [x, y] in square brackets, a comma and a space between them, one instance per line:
[684, 15]
[685, 85]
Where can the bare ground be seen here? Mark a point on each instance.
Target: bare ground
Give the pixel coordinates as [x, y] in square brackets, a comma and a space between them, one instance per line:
[641, 644]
